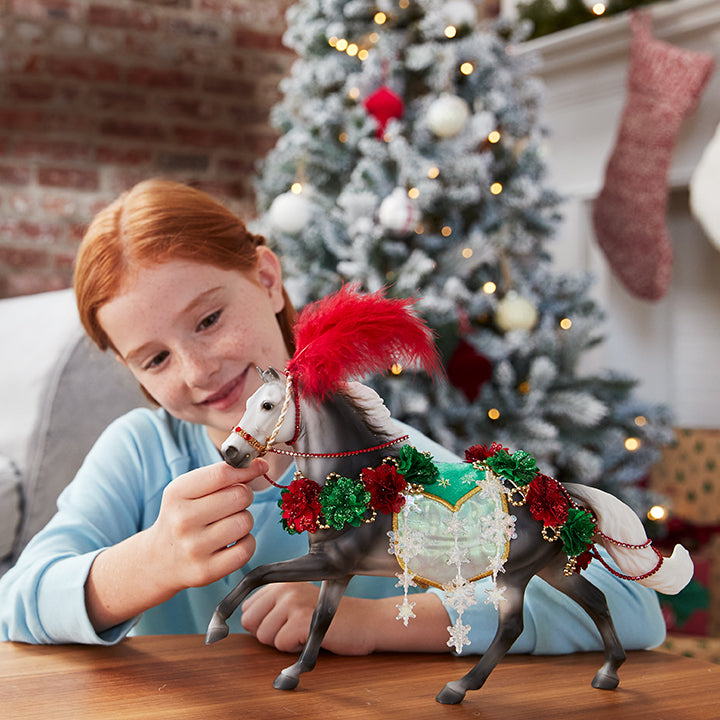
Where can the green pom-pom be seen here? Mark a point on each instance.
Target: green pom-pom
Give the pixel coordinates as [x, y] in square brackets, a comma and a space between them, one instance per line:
[417, 467]
[520, 467]
[577, 532]
[344, 502]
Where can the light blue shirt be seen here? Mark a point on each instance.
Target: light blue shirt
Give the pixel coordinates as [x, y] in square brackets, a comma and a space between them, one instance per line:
[117, 492]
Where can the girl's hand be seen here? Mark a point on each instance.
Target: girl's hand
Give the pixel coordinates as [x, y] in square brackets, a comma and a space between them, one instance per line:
[202, 534]
[279, 615]
[203, 528]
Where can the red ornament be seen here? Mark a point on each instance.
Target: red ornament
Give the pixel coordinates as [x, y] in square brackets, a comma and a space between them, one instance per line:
[385, 484]
[546, 501]
[482, 452]
[468, 370]
[384, 105]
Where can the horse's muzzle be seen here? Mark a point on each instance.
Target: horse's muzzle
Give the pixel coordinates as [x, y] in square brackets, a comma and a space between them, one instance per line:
[234, 457]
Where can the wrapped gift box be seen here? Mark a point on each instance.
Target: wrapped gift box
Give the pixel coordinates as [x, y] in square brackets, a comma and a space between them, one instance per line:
[689, 476]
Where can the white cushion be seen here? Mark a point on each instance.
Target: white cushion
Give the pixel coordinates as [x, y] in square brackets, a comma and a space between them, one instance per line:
[37, 330]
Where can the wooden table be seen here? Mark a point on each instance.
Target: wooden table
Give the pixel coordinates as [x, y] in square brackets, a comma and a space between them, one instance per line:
[180, 678]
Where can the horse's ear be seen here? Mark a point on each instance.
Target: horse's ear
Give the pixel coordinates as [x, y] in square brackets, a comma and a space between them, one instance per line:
[272, 374]
[260, 372]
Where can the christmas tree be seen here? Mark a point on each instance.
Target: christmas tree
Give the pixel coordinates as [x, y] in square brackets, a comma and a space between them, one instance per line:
[410, 157]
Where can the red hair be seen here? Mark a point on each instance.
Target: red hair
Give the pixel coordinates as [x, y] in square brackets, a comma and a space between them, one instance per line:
[154, 222]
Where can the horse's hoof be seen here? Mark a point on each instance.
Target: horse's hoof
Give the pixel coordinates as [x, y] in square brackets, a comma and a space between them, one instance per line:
[217, 630]
[605, 680]
[450, 695]
[286, 682]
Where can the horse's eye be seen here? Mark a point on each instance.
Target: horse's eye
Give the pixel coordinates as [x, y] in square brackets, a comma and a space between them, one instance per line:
[267, 405]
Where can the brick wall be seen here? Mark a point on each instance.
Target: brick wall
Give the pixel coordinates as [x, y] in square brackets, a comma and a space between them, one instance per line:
[96, 95]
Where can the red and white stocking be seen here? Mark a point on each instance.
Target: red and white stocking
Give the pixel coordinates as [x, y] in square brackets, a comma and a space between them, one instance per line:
[664, 86]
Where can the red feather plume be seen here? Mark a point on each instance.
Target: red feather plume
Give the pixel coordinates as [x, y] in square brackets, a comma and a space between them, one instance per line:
[350, 334]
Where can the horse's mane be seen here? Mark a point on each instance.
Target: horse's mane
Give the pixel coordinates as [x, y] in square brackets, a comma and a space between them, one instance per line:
[371, 407]
[350, 335]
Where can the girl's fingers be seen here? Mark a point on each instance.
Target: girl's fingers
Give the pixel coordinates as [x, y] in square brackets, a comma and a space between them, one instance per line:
[207, 480]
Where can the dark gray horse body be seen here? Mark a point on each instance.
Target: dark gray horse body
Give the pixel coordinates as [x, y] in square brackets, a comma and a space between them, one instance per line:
[331, 432]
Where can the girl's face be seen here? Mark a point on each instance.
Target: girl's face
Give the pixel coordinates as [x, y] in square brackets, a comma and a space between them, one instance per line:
[193, 334]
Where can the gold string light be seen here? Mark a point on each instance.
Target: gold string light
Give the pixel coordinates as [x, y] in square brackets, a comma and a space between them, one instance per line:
[467, 253]
[489, 287]
[493, 413]
[566, 323]
[632, 444]
[494, 137]
[467, 68]
[496, 188]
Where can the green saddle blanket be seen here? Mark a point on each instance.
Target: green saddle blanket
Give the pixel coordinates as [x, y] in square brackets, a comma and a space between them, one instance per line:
[459, 523]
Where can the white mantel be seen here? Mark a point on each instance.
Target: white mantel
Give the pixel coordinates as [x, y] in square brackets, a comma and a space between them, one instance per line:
[672, 345]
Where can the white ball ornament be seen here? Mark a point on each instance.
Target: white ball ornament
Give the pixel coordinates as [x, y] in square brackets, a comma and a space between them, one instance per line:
[398, 213]
[290, 212]
[447, 115]
[515, 312]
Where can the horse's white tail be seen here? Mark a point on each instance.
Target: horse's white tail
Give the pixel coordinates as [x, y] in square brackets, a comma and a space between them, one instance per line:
[619, 522]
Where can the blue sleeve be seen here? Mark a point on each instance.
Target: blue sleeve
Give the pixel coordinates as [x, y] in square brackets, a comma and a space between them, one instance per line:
[555, 624]
[42, 598]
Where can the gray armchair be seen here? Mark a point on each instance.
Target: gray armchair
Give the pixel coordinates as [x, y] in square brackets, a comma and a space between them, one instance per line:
[57, 394]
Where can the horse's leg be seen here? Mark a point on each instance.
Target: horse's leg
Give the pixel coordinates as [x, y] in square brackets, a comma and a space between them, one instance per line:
[510, 625]
[331, 593]
[306, 568]
[593, 602]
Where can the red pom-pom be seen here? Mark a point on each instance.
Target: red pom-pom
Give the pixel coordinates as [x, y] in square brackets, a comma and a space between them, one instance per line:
[468, 370]
[482, 452]
[582, 561]
[547, 501]
[384, 105]
[385, 484]
[301, 505]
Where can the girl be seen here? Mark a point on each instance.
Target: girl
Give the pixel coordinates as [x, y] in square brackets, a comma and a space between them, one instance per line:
[155, 529]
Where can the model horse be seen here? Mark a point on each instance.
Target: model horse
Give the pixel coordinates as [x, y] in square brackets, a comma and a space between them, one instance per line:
[357, 484]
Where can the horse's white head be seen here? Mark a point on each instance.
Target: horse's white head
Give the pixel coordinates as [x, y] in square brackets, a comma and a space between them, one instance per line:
[269, 419]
